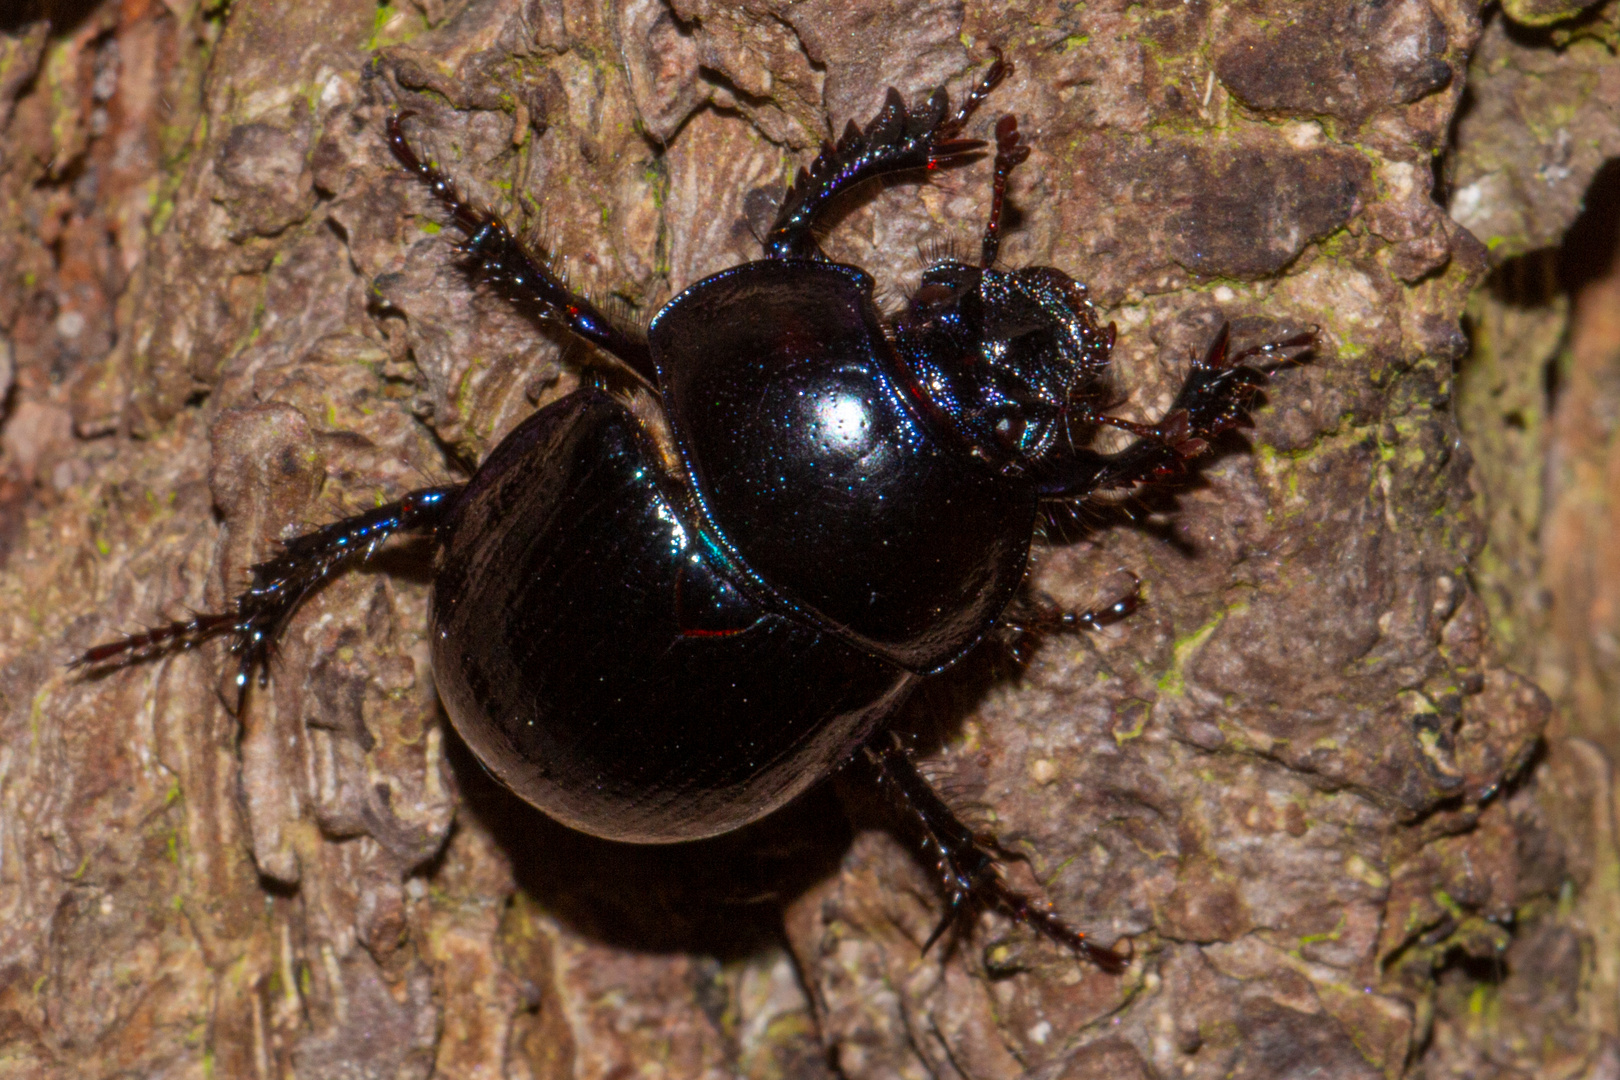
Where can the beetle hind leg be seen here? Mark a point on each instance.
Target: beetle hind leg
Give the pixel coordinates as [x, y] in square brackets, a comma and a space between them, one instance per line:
[968, 863]
[256, 617]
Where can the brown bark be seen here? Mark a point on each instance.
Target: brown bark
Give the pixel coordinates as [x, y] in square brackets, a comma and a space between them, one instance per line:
[1311, 781]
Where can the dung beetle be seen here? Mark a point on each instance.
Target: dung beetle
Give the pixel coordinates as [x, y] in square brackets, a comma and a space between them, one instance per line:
[660, 615]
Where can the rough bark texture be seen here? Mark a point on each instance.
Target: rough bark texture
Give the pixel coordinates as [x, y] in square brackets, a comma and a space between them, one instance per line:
[1311, 781]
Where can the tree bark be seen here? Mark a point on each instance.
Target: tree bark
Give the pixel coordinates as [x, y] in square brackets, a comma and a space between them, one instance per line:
[1315, 783]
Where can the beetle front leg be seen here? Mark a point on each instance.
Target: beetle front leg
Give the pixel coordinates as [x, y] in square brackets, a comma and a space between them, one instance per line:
[968, 864]
[896, 139]
[1214, 398]
[257, 616]
[502, 259]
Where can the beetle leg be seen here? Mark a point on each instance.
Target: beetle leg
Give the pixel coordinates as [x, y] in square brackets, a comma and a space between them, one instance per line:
[1033, 615]
[896, 139]
[501, 259]
[968, 863]
[1028, 618]
[257, 617]
[1214, 398]
[1009, 153]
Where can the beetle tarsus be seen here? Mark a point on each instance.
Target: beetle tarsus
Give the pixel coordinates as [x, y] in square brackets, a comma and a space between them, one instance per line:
[279, 584]
[968, 863]
[897, 139]
[154, 641]
[497, 256]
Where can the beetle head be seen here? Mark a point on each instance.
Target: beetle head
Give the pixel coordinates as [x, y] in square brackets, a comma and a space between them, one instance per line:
[1001, 356]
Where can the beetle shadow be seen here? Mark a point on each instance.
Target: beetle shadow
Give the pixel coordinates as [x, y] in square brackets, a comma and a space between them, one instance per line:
[721, 897]
[933, 716]
[1149, 511]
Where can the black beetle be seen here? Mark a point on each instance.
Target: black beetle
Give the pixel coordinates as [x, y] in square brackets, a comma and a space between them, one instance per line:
[661, 619]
